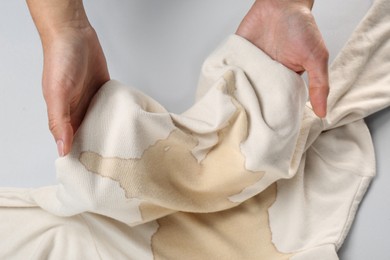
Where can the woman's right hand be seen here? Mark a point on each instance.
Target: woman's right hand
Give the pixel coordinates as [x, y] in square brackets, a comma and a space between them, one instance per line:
[288, 33]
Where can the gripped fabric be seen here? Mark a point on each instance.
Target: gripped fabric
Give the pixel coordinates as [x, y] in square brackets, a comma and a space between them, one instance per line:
[247, 172]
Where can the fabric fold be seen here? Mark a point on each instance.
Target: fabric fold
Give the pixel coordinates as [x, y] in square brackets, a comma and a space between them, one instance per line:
[237, 139]
[338, 161]
[360, 75]
[247, 172]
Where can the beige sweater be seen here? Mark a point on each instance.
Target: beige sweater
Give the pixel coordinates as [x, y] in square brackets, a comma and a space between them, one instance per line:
[248, 172]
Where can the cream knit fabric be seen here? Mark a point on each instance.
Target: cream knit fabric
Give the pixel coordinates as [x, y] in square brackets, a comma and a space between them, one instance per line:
[248, 172]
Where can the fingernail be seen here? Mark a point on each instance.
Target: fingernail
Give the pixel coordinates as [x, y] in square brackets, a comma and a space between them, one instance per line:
[321, 110]
[60, 148]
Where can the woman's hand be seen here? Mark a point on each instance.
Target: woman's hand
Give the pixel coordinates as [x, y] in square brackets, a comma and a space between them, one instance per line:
[287, 32]
[74, 69]
[74, 65]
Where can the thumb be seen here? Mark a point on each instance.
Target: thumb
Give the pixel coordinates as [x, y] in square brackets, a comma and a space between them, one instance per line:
[60, 125]
[317, 71]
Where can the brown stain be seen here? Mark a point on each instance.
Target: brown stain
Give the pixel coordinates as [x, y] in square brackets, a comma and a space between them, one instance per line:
[169, 176]
[242, 232]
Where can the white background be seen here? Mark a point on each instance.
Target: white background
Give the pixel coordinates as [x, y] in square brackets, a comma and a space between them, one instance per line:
[158, 46]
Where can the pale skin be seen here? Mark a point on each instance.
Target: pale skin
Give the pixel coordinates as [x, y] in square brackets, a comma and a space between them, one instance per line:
[75, 66]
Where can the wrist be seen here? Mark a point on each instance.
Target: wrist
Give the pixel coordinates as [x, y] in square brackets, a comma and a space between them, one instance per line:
[53, 17]
[282, 4]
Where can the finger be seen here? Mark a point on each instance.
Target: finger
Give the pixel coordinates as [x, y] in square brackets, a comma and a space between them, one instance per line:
[317, 71]
[60, 124]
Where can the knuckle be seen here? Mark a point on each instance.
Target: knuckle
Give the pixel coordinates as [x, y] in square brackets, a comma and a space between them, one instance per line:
[58, 87]
[326, 55]
[66, 83]
[323, 54]
[53, 125]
